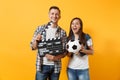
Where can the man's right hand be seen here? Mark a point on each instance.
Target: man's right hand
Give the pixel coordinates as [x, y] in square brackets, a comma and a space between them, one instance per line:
[35, 43]
[38, 37]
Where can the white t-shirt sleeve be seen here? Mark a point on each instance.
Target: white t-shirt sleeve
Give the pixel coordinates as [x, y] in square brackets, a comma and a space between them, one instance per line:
[89, 42]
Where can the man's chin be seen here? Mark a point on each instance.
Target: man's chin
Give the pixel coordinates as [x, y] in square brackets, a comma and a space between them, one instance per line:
[54, 22]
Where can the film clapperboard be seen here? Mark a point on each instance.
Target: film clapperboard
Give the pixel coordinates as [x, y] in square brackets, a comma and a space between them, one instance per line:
[52, 46]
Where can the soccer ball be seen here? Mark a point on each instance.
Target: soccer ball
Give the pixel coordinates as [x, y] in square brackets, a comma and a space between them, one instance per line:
[73, 46]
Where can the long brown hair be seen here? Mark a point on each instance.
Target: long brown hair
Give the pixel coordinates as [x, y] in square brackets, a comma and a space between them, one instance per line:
[80, 32]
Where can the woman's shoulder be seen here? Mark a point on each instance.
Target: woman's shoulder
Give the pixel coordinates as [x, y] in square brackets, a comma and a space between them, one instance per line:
[87, 36]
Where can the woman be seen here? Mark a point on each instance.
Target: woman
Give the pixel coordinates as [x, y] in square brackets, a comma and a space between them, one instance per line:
[78, 67]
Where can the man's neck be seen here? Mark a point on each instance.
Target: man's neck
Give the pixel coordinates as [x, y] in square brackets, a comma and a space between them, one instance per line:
[54, 25]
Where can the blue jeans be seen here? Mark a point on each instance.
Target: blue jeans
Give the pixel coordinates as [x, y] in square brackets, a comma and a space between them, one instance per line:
[47, 73]
[77, 74]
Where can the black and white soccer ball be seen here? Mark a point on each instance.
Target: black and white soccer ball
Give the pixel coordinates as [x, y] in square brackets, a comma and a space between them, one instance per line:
[73, 46]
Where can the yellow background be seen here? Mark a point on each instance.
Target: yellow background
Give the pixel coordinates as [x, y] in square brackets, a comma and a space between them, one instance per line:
[19, 19]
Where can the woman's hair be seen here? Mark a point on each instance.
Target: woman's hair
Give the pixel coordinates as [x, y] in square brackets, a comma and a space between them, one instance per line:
[80, 31]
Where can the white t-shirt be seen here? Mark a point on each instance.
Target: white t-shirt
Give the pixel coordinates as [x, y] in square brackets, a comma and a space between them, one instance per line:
[80, 62]
[50, 33]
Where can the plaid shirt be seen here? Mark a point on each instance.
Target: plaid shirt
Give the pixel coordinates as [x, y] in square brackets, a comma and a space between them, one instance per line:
[59, 33]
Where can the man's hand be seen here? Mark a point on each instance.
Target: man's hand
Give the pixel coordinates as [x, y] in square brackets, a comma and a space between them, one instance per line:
[35, 43]
[55, 58]
[50, 57]
[38, 37]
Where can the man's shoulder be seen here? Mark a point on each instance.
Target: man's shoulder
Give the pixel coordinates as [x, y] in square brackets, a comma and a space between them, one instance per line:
[42, 26]
[62, 29]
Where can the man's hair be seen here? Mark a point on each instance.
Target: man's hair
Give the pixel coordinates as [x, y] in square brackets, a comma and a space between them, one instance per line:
[54, 7]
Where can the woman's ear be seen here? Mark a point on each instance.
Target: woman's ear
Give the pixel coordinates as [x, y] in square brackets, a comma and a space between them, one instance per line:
[60, 17]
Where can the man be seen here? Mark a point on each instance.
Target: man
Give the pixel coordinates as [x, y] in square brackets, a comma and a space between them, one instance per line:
[49, 66]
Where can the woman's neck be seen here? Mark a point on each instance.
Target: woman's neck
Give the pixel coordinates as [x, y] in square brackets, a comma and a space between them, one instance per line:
[76, 36]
